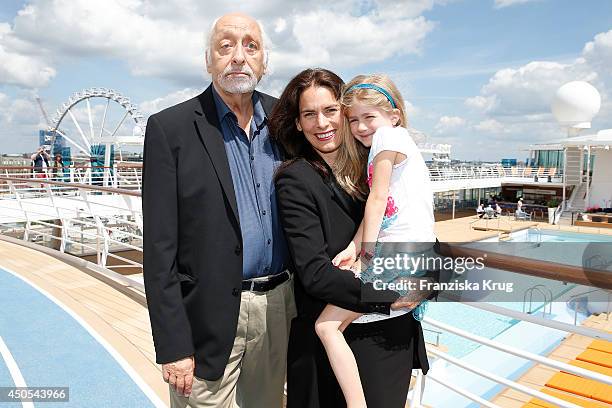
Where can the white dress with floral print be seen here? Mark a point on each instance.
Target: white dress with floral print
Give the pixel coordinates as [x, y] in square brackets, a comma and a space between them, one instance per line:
[409, 214]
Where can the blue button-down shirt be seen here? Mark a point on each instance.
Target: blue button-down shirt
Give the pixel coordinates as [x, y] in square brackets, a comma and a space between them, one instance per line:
[252, 162]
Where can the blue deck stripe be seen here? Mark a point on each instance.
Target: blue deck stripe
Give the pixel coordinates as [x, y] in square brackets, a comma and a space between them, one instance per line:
[6, 381]
[52, 349]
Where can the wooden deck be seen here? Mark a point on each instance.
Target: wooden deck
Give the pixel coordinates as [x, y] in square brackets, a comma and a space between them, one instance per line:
[120, 319]
[538, 376]
[460, 229]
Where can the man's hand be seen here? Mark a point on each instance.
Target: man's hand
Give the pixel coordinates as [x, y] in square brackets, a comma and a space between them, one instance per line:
[411, 300]
[179, 375]
[405, 302]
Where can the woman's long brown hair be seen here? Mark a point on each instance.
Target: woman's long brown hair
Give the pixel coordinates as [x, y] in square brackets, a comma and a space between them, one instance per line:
[349, 167]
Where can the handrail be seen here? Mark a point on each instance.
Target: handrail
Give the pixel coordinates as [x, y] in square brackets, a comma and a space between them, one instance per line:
[74, 206]
[73, 185]
[606, 379]
[499, 219]
[510, 350]
[541, 291]
[553, 324]
[461, 391]
[528, 266]
[72, 166]
[581, 294]
[500, 380]
[533, 267]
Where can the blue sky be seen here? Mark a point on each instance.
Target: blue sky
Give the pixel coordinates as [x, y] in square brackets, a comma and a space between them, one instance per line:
[478, 74]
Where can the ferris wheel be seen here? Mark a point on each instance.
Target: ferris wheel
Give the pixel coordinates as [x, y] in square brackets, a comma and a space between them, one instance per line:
[97, 117]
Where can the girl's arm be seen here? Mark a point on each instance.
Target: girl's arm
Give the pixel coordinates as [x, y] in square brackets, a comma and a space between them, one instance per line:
[377, 200]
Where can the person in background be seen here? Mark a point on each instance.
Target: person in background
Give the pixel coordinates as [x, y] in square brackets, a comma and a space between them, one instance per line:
[480, 210]
[40, 160]
[58, 168]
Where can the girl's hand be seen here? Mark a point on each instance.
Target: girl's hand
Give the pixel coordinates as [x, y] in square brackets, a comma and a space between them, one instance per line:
[346, 258]
[357, 268]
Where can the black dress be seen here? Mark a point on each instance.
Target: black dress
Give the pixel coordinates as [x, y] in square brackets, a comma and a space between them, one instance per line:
[320, 219]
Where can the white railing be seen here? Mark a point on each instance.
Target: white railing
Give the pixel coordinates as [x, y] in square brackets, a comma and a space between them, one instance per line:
[76, 218]
[494, 172]
[100, 221]
[125, 176]
[417, 396]
[128, 175]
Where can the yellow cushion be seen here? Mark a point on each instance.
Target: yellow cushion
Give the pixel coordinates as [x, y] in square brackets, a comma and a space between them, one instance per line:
[596, 357]
[581, 386]
[592, 367]
[601, 345]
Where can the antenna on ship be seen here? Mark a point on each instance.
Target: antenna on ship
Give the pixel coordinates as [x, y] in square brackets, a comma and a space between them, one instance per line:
[574, 106]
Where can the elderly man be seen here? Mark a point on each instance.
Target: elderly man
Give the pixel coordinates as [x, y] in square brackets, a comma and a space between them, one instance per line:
[220, 297]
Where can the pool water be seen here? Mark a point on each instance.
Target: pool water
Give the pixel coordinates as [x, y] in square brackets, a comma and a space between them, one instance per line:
[563, 247]
[532, 235]
[464, 317]
[491, 325]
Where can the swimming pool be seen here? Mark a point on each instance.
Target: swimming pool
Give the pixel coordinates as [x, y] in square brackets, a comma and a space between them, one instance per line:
[556, 246]
[538, 235]
[570, 248]
[484, 323]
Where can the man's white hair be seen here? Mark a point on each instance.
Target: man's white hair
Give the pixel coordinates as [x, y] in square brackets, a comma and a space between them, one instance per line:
[265, 40]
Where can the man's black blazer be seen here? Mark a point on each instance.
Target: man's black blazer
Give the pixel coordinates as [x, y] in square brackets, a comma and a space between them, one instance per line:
[192, 239]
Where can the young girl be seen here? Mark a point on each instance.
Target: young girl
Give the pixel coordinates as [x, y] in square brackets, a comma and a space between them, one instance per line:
[399, 209]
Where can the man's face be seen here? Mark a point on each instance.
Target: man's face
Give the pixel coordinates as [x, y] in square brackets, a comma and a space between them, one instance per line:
[236, 54]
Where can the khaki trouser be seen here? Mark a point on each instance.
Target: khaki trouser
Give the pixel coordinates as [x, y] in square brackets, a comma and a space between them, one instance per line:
[255, 373]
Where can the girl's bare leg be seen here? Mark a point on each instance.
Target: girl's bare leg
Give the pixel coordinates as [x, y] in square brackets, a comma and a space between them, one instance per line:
[329, 327]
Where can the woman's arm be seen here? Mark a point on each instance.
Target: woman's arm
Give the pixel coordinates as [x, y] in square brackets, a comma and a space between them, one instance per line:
[302, 224]
[347, 257]
[379, 193]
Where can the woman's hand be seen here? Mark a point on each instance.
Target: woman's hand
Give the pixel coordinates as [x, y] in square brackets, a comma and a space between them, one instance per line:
[346, 258]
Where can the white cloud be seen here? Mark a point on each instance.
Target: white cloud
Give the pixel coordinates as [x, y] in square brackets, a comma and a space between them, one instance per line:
[507, 3]
[155, 105]
[598, 55]
[481, 102]
[447, 124]
[525, 93]
[513, 107]
[412, 111]
[166, 40]
[18, 117]
[21, 69]
[327, 38]
[530, 88]
[489, 126]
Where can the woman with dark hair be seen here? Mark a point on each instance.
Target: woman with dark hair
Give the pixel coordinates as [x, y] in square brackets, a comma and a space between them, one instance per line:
[321, 191]
[58, 167]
